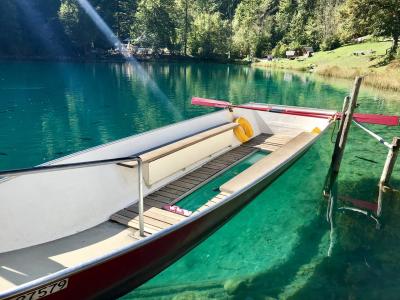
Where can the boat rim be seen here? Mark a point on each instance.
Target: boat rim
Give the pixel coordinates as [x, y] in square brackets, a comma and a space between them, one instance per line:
[74, 154]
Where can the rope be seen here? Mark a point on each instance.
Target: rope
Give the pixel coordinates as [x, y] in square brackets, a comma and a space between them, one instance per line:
[374, 135]
[331, 204]
[366, 213]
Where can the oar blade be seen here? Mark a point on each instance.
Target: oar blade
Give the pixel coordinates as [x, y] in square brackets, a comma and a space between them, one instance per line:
[210, 102]
[377, 119]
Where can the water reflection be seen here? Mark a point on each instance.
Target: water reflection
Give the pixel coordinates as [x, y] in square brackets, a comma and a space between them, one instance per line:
[49, 109]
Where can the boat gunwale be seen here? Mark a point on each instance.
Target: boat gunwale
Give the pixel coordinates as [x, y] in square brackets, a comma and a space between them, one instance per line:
[69, 271]
[72, 155]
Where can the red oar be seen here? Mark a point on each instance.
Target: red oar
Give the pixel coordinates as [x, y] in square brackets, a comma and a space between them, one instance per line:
[210, 102]
[377, 119]
[225, 104]
[362, 118]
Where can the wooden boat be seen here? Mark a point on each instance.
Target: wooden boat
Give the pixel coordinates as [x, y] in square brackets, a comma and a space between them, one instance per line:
[78, 227]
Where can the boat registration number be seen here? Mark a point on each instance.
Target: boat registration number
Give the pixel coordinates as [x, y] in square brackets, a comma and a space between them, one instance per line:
[44, 291]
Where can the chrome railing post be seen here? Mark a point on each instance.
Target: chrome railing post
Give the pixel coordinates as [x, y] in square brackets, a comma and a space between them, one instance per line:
[140, 187]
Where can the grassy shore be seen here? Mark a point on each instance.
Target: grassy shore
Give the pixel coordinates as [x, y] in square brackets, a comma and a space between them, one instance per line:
[343, 63]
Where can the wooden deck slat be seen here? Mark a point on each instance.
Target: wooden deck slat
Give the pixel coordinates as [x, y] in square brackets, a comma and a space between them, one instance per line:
[157, 213]
[183, 184]
[173, 189]
[224, 194]
[153, 203]
[211, 170]
[215, 200]
[226, 161]
[157, 218]
[159, 198]
[218, 198]
[168, 194]
[147, 220]
[220, 165]
[206, 171]
[134, 224]
[197, 174]
[212, 167]
[192, 179]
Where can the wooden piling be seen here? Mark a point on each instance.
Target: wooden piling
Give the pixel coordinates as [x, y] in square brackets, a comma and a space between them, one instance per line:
[349, 106]
[390, 162]
[338, 155]
[387, 172]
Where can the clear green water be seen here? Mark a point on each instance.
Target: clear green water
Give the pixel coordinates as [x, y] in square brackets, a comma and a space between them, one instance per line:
[211, 189]
[275, 247]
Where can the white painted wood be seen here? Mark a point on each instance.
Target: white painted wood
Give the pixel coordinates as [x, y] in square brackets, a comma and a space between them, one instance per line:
[170, 164]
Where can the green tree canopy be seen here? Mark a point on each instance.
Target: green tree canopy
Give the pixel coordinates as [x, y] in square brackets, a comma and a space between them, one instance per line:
[209, 35]
[379, 17]
[155, 23]
[253, 26]
[200, 28]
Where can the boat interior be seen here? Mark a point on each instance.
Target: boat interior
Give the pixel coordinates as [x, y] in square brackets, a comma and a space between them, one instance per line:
[202, 153]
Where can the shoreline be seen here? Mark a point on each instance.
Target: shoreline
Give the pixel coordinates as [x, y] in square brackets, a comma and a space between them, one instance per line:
[382, 78]
[361, 59]
[116, 59]
[387, 79]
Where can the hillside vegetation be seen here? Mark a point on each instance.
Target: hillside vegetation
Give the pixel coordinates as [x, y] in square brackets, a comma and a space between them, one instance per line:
[344, 63]
[201, 28]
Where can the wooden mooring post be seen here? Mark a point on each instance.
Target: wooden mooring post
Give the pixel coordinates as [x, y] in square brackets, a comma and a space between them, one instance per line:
[387, 171]
[390, 162]
[349, 106]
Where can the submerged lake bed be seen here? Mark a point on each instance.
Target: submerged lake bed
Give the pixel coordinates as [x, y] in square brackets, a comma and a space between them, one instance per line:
[277, 246]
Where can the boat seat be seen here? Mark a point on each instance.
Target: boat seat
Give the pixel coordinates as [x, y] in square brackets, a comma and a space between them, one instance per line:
[184, 143]
[268, 164]
[169, 159]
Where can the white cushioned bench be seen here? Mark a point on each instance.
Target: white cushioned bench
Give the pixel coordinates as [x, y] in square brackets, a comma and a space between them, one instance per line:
[169, 159]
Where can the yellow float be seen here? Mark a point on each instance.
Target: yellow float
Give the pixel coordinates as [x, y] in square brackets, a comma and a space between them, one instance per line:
[244, 131]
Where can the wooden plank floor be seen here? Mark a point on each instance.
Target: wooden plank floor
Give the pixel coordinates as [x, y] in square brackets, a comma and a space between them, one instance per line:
[156, 218]
[221, 196]
[268, 142]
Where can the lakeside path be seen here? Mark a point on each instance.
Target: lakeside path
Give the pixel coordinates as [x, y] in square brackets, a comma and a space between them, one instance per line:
[348, 62]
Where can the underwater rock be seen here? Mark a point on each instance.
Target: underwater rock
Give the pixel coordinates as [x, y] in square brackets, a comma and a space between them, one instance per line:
[234, 285]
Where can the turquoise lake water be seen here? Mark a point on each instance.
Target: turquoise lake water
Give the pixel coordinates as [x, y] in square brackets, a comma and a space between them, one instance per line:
[211, 189]
[276, 247]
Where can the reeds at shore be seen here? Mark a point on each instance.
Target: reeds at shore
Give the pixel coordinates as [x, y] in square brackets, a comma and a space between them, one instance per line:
[388, 79]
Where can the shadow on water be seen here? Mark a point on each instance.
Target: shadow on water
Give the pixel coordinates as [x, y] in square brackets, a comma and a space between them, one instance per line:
[272, 282]
[364, 264]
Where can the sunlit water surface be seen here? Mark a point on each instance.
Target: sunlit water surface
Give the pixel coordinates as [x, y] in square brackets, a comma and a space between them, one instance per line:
[277, 246]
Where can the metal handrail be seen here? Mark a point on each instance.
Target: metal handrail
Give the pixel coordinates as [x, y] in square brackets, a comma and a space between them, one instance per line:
[94, 163]
[60, 167]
